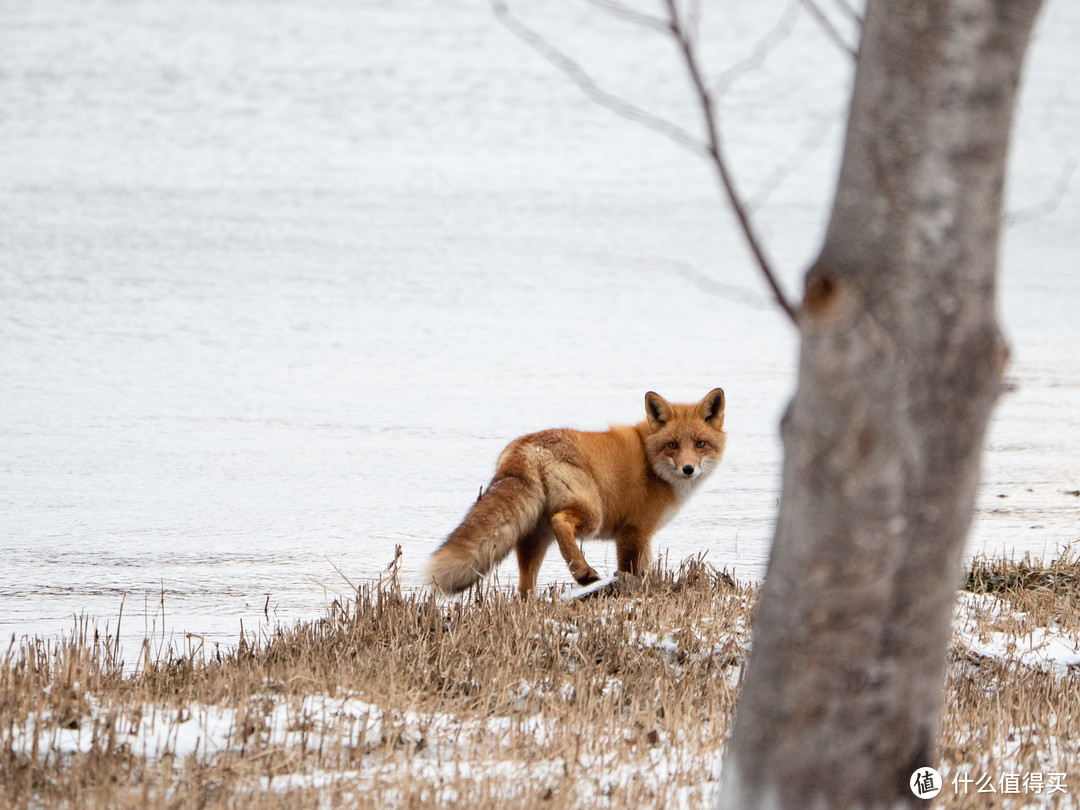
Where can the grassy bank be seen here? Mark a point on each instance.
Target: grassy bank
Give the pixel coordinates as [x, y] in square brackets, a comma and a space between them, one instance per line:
[397, 699]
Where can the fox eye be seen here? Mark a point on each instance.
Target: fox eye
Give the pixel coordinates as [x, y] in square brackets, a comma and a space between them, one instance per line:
[673, 445]
[700, 443]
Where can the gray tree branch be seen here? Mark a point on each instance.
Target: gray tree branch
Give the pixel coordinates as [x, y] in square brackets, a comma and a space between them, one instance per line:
[682, 31]
[827, 26]
[1047, 205]
[761, 51]
[716, 156]
[588, 85]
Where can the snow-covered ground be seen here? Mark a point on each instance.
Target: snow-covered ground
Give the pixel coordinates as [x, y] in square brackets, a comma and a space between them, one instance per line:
[1048, 649]
[278, 282]
[444, 750]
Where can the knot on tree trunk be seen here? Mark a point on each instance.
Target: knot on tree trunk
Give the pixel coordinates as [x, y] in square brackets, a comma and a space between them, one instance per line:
[830, 301]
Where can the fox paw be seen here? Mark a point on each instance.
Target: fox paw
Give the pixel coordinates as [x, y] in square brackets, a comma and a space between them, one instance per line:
[588, 577]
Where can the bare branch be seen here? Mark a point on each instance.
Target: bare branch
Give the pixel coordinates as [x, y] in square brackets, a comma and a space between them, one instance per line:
[583, 80]
[715, 153]
[798, 156]
[684, 38]
[761, 50]
[829, 28]
[710, 285]
[631, 15]
[694, 17]
[1049, 204]
[852, 14]
[686, 271]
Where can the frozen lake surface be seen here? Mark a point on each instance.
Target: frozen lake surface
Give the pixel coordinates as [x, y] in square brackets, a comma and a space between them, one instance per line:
[279, 281]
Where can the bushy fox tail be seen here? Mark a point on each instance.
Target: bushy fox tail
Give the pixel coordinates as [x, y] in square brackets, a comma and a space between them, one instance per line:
[506, 512]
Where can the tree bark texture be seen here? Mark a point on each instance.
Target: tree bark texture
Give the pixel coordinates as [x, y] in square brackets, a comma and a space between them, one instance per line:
[900, 365]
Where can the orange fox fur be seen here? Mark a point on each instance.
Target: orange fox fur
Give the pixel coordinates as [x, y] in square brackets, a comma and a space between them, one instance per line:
[561, 485]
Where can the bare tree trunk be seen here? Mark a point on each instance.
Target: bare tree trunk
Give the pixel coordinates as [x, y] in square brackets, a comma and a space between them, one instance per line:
[900, 366]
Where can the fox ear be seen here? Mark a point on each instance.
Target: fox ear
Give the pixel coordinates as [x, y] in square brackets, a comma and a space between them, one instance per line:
[711, 407]
[657, 409]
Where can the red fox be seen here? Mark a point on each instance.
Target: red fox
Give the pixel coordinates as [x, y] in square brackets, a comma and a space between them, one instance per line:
[560, 485]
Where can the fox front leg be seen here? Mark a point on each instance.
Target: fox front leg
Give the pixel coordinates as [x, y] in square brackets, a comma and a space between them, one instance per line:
[565, 524]
[634, 550]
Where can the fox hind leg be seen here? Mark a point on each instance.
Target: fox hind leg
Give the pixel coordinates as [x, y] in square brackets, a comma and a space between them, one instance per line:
[530, 554]
[564, 524]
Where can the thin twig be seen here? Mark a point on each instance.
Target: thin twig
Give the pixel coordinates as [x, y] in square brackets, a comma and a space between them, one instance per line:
[632, 15]
[687, 272]
[583, 80]
[1046, 206]
[852, 14]
[694, 17]
[828, 27]
[710, 149]
[793, 161]
[761, 50]
[715, 153]
[341, 574]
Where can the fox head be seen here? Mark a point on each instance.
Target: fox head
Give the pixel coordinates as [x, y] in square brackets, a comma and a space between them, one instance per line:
[684, 442]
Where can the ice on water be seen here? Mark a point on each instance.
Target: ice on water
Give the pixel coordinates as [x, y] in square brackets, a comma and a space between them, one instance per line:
[277, 284]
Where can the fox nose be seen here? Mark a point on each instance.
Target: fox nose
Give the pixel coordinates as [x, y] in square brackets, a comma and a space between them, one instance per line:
[688, 469]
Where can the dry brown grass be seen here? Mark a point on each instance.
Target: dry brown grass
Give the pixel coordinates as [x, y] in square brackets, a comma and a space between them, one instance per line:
[396, 699]
[1015, 710]
[1048, 593]
[399, 699]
